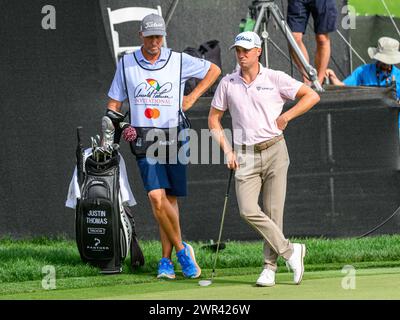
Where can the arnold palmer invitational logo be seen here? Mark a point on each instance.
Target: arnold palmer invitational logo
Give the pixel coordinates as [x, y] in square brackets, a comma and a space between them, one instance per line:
[151, 92]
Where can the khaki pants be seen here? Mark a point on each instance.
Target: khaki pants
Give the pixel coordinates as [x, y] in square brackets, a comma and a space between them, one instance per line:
[266, 172]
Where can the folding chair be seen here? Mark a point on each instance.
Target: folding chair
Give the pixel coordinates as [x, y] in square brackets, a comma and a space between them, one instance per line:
[125, 15]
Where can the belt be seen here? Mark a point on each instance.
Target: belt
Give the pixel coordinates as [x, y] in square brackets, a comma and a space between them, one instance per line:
[262, 145]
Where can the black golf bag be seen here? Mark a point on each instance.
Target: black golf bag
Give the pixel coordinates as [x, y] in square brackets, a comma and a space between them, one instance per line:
[105, 229]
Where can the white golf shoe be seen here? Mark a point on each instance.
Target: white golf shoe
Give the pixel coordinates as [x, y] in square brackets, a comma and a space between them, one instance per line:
[266, 278]
[296, 262]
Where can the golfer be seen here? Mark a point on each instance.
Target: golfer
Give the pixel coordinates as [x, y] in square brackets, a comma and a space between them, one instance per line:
[155, 78]
[255, 96]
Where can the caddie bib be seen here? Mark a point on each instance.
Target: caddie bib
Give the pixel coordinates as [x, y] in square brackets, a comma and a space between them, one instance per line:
[154, 93]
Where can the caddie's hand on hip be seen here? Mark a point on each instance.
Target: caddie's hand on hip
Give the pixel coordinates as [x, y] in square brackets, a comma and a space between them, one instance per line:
[188, 102]
[282, 122]
[232, 161]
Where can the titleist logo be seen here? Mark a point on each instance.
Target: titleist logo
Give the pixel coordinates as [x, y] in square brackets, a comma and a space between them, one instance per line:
[153, 25]
[238, 38]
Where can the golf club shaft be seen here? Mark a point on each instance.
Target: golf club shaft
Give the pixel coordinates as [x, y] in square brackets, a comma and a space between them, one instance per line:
[222, 221]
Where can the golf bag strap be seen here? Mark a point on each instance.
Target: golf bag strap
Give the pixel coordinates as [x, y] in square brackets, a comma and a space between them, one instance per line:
[126, 87]
[181, 113]
[180, 87]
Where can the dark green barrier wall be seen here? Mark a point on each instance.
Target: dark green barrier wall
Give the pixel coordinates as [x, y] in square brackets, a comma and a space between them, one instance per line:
[54, 80]
[345, 194]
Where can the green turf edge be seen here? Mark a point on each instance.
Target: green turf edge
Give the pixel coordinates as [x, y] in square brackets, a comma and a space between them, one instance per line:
[130, 279]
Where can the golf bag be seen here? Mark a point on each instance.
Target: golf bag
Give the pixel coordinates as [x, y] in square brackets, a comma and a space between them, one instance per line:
[105, 229]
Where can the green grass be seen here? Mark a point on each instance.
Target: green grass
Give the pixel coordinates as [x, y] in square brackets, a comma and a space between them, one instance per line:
[21, 262]
[375, 7]
[369, 284]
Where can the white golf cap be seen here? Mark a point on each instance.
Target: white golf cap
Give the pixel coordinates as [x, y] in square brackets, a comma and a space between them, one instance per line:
[247, 40]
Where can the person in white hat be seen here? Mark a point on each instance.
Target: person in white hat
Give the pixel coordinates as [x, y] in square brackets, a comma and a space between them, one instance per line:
[379, 73]
[255, 96]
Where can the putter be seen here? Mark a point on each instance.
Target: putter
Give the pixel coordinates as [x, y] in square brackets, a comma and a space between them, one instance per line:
[93, 146]
[95, 154]
[100, 153]
[207, 282]
[98, 140]
[115, 149]
[98, 144]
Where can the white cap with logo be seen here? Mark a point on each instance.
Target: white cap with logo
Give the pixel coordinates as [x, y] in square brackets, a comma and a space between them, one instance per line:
[247, 40]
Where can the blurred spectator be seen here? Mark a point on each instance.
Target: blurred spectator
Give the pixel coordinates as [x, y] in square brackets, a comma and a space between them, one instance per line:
[381, 72]
[324, 13]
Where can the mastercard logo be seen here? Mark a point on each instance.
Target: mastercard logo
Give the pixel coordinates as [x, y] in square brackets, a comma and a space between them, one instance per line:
[152, 113]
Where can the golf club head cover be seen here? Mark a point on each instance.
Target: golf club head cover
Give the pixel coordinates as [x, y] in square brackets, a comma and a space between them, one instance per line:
[116, 119]
[129, 133]
[108, 131]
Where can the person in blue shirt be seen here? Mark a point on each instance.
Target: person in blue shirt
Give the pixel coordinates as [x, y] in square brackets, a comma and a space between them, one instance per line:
[380, 73]
[152, 79]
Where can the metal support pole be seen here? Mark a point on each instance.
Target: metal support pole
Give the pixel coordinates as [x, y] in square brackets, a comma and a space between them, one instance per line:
[264, 10]
[264, 36]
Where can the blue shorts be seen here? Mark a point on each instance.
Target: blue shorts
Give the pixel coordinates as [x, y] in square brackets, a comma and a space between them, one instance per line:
[171, 177]
[324, 13]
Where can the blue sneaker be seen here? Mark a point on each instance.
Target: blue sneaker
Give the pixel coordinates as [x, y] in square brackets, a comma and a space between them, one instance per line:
[166, 269]
[187, 260]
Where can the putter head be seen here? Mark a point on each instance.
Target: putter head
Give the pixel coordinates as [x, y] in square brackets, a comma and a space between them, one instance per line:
[205, 283]
[93, 141]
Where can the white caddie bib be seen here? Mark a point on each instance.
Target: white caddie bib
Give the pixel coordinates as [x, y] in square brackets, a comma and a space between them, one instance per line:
[154, 94]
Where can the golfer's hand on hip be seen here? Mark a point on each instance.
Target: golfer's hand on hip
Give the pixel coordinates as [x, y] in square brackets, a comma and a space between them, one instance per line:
[282, 122]
[231, 160]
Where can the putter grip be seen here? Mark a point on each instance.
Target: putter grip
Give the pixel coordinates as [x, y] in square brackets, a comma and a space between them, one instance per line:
[229, 181]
